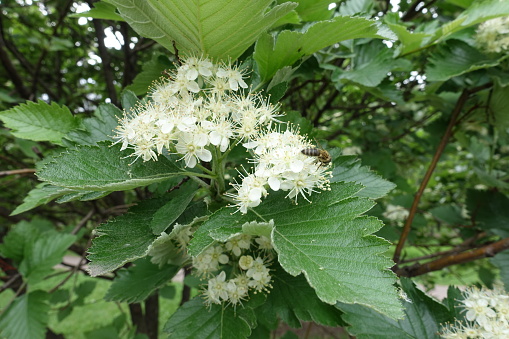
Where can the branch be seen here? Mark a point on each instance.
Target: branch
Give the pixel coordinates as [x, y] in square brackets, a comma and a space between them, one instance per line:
[467, 256]
[445, 138]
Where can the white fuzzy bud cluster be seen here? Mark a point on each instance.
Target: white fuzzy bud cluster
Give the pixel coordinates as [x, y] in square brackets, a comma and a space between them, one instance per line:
[280, 165]
[248, 260]
[195, 110]
[488, 314]
[171, 248]
[493, 35]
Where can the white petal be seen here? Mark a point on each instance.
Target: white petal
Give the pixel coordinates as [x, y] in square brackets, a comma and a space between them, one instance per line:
[204, 154]
[167, 127]
[193, 87]
[215, 138]
[296, 166]
[274, 183]
[255, 194]
[233, 84]
[190, 161]
[192, 74]
[201, 139]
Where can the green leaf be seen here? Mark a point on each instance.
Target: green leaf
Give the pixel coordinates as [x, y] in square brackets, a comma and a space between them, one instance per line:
[104, 168]
[272, 54]
[448, 213]
[195, 320]
[178, 201]
[200, 27]
[39, 121]
[422, 316]
[139, 281]
[21, 235]
[491, 210]
[27, 317]
[370, 65]
[499, 106]
[98, 128]
[123, 239]
[456, 58]
[313, 10]
[292, 300]
[501, 260]
[348, 169]
[46, 251]
[355, 7]
[101, 10]
[327, 240]
[42, 194]
[152, 70]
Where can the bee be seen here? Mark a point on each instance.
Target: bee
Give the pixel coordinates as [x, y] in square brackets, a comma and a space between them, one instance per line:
[322, 156]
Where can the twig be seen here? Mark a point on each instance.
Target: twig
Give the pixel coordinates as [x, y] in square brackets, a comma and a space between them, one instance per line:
[19, 171]
[467, 256]
[445, 138]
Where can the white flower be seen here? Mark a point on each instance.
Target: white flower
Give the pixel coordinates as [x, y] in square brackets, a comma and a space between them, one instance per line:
[217, 289]
[264, 243]
[236, 292]
[192, 148]
[197, 66]
[234, 77]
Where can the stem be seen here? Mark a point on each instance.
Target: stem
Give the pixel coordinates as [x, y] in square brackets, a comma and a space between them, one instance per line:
[218, 166]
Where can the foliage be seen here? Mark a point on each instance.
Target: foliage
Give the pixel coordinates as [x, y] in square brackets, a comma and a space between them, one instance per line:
[407, 98]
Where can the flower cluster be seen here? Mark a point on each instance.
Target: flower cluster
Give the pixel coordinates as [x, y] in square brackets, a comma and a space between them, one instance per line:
[488, 314]
[493, 35]
[396, 213]
[201, 110]
[280, 164]
[245, 257]
[193, 111]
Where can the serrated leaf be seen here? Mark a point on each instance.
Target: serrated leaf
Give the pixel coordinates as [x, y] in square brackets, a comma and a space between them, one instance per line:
[104, 168]
[152, 70]
[139, 281]
[370, 66]
[200, 27]
[349, 169]
[21, 235]
[101, 10]
[39, 121]
[272, 54]
[42, 194]
[46, 251]
[327, 240]
[456, 58]
[123, 239]
[422, 317]
[195, 320]
[292, 300]
[27, 317]
[178, 201]
[98, 128]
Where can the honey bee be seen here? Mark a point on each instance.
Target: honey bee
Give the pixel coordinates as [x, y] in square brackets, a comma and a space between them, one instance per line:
[322, 156]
